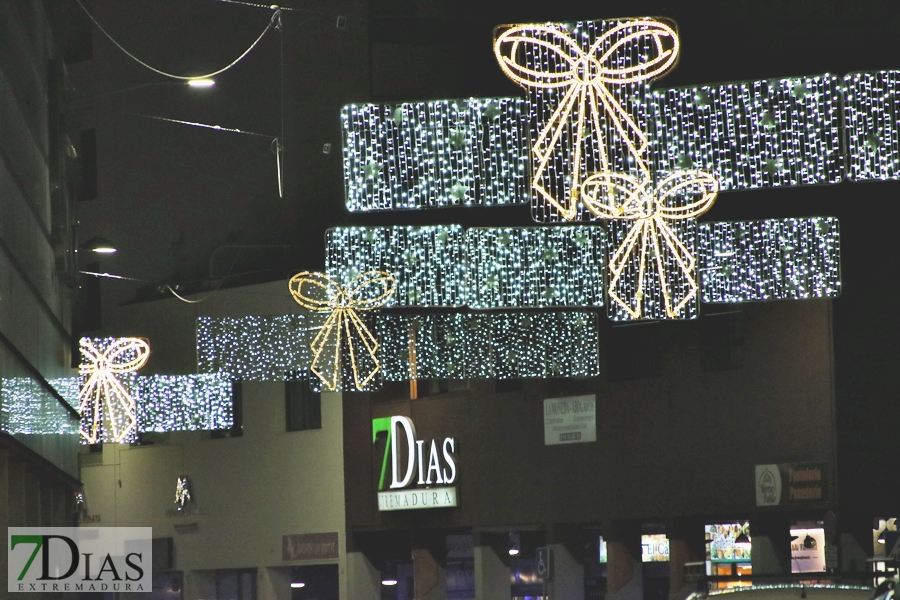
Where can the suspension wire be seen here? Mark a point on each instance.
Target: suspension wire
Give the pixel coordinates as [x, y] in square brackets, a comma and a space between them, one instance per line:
[206, 126]
[264, 6]
[275, 20]
[280, 30]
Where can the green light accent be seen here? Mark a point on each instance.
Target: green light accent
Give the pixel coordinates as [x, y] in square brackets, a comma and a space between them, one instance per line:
[378, 426]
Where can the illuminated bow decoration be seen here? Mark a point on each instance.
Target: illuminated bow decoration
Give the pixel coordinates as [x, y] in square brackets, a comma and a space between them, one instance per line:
[368, 291]
[586, 77]
[650, 238]
[101, 387]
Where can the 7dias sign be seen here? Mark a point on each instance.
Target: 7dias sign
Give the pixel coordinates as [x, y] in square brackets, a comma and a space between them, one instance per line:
[414, 462]
[79, 559]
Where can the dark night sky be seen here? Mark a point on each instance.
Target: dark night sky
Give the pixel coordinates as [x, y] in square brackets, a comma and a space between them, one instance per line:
[171, 195]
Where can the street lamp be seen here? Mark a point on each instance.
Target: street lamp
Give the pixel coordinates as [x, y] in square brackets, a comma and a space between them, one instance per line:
[99, 245]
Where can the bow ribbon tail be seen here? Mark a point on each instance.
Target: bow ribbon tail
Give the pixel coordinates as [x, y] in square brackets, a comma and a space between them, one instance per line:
[543, 148]
[370, 344]
[90, 400]
[332, 325]
[622, 258]
[686, 263]
[117, 403]
[628, 130]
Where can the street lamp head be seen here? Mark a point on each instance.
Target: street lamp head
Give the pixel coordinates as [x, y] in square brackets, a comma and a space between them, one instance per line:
[201, 83]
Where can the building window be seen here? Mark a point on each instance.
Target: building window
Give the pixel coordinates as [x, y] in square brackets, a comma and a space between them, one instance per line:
[302, 406]
[236, 584]
[633, 352]
[237, 404]
[722, 341]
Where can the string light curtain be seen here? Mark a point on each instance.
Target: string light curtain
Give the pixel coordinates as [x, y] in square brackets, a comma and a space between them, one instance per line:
[871, 115]
[27, 408]
[788, 259]
[443, 153]
[769, 133]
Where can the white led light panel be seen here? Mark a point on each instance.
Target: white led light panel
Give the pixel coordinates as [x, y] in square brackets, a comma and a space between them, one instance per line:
[255, 348]
[872, 121]
[754, 134]
[489, 345]
[428, 262]
[27, 408]
[521, 267]
[183, 403]
[435, 154]
[784, 259]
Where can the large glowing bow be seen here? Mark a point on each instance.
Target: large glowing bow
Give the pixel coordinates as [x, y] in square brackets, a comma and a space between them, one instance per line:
[101, 387]
[368, 291]
[682, 195]
[587, 102]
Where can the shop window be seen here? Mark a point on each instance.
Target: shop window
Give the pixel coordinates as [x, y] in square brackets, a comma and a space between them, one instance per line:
[722, 341]
[633, 352]
[237, 429]
[236, 584]
[302, 406]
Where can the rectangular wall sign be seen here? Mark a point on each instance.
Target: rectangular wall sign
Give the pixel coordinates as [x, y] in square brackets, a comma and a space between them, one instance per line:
[570, 420]
[791, 483]
[417, 498]
[309, 546]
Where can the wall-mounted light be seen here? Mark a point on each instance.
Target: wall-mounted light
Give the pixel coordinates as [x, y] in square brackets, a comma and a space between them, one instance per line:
[389, 574]
[99, 245]
[515, 543]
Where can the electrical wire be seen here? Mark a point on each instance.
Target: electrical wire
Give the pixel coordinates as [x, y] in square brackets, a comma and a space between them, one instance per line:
[274, 21]
[214, 127]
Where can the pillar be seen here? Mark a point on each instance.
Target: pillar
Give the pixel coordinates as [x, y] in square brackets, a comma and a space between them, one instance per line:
[274, 583]
[686, 544]
[624, 575]
[428, 575]
[855, 539]
[770, 537]
[199, 585]
[491, 573]
[567, 582]
[363, 580]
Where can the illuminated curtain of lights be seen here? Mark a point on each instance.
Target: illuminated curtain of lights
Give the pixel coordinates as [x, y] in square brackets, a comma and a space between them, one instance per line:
[27, 408]
[428, 262]
[781, 132]
[787, 259]
[256, 348]
[506, 345]
[184, 403]
[871, 115]
[435, 154]
[521, 267]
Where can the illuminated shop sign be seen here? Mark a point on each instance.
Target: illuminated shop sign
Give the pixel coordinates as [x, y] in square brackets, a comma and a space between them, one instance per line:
[654, 547]
[791, 483]
[420, 470]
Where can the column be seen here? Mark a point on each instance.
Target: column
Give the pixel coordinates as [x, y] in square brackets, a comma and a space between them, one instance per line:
[491, 573]
[770, 537]
[363, 580]
[274, 583]
[624, 576]
[567, 581]
[855, 539]
[686, 545]
[428, 576]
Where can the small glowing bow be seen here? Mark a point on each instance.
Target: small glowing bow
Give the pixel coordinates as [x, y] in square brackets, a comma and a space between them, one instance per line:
[368, 291]
[585, 76]
[621, 196]
[101, 387]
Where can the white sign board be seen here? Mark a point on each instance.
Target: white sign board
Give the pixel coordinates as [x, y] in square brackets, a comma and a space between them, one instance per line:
[570, 420]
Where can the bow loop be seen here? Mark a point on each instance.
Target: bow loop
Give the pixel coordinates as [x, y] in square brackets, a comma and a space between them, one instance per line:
[671, 191]
[316, 291]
